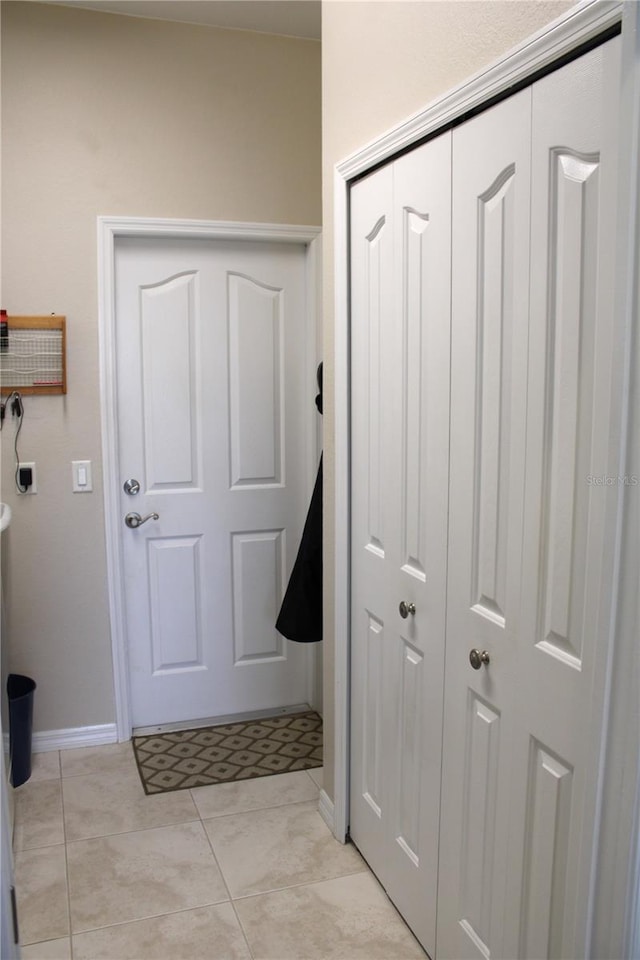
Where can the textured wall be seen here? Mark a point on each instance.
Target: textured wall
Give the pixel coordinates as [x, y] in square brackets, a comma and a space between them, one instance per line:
[382, 61]
[112, 115]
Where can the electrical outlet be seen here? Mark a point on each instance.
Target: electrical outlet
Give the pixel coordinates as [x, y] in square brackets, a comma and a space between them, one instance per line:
[34, 487]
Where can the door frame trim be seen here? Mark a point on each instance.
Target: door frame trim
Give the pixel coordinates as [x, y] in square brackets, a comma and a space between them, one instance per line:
[110, 230]
[618, 817]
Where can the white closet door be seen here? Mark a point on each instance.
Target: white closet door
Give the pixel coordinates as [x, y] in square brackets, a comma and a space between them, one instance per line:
[400, 394]
[529, 575]
[372, 340]
[562, 648]
[490, 292]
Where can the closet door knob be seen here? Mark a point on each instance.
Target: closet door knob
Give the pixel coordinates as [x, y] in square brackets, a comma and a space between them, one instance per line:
[477, 658]
[406, 609]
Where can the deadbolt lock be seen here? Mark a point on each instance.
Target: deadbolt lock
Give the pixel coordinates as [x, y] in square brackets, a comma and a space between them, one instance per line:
[131, 487]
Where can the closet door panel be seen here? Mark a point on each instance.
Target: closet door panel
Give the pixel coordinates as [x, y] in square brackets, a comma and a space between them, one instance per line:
[422, 207]
[490, 288]
[400, 393]
[565, 571]
[372, 515]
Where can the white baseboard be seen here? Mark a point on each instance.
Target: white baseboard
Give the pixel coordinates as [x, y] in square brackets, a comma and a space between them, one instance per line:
[325, 809]
[46, 740]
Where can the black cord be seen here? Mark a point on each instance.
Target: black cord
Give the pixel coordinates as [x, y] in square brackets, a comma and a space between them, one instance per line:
[15, 404]
[8, 404]
[15, 447]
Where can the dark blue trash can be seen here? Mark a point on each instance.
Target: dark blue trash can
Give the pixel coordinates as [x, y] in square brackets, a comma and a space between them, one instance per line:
[20, 691]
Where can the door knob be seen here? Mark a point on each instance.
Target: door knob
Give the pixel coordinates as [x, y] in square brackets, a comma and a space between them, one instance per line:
[134, 520]
[477, 658]
[131, 487]
[406, 609]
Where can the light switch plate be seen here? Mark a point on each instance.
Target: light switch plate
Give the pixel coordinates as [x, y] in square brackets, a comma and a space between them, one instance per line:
[82, 479]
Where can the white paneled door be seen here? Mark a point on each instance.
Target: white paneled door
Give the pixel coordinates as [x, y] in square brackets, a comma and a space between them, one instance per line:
[490, 320]
[400, 249]
[215, 408]
[530, 411]
[478, 499]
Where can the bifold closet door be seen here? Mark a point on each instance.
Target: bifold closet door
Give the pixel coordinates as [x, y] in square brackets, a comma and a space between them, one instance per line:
[400, 256]
[529, 587]
[567, 567]
[490, 308]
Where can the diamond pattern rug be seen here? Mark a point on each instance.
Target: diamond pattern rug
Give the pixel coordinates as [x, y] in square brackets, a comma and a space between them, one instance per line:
[234, 751]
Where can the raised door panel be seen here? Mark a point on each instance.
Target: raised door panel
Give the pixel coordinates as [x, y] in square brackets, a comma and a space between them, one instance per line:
[572, 277]
[257, 560]
[547, 836]
[169, 332]
[376, 268]
[478, 828]
[175, 599]
[490, 286]
[372, 780]
[415, 238]
[495, 310]
[412, 730]
[256, 383]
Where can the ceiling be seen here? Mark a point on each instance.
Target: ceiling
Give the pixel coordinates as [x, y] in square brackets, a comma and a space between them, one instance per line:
[293, 18]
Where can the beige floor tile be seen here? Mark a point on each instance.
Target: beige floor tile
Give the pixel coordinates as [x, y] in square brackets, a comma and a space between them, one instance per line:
[48, 950]
[109, 757]
[41, 888]
[267, 849]
[224, 798]
[207, 933]
[317, 775]
[38, 815]
[143, 874]
[45, 766]
[100, 804]
[341, 919]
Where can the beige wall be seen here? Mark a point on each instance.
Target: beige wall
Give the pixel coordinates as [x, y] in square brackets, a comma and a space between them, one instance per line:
[382, 62]
[114, 115]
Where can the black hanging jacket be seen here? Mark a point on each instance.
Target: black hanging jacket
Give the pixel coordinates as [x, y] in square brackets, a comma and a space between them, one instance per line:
[300, 616]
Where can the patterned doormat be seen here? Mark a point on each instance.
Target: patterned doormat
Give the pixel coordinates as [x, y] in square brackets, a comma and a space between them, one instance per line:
[235, 751]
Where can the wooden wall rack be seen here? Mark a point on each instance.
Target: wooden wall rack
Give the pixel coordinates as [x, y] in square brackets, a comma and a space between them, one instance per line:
[33, 358]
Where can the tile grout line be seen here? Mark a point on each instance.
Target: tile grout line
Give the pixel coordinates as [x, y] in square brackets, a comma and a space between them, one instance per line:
[224, 880]
[150, 916]
[239, 813]
[124, 833]
[66, 858]
[306, 883]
